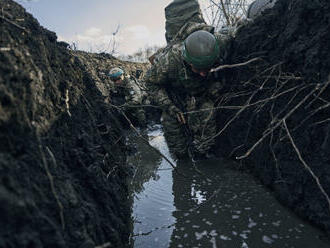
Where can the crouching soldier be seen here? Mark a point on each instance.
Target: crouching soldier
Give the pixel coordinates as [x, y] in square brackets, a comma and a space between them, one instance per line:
[184, 86]
[127, 94]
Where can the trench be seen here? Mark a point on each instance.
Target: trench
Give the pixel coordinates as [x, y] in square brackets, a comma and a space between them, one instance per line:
[207, 205]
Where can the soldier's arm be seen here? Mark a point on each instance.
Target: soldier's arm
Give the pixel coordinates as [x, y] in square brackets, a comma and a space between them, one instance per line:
[135, 92]
[158, 73]
[159, 76]
[225, 44]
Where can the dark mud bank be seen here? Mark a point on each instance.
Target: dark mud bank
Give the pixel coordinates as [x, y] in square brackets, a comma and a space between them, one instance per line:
[276, 122]
[62, 152]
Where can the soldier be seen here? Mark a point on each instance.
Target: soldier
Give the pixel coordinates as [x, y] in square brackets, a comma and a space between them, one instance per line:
[126, 93]
[258, 6]
[181, 82]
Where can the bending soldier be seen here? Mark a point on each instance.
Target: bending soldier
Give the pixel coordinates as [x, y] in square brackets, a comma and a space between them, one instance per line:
[181, 82]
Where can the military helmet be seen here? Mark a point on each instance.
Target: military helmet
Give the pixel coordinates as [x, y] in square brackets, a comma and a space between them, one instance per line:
[115, 73]
[201, 49]
[258, 6]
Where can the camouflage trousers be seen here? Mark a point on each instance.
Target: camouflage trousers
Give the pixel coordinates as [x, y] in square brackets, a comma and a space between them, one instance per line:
[196, 134]
[136, 115]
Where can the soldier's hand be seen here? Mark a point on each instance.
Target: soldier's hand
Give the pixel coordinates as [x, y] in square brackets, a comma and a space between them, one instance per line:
[176, 113]
[180, 118]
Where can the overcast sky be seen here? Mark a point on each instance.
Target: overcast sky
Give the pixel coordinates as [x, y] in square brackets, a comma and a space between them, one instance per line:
[90, 23]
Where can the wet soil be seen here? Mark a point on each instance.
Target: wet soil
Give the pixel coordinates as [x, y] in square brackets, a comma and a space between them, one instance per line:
[283, 130]
[62, 151]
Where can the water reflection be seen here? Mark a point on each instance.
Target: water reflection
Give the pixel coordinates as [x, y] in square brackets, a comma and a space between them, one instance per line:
[153, 206]
[209, 206]
[229, 209]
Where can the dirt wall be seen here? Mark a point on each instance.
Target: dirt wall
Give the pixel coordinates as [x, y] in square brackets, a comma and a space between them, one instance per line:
[276, 122]
[62, 151]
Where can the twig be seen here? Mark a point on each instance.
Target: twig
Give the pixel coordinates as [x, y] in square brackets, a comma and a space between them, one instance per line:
[223, 10]
[51, 181]
[234, 150]
[118, 139]
[221, 67]
[237, 114]
[317, 180]
[151, 231]
[52, 156]
[5, 49]
[111, 171]
[321, 91]
[13, 23]
[310, 115]
[105, 245]
[320, 122]
[277, 125]
[139, 106]
[141, 137]
[314, 111]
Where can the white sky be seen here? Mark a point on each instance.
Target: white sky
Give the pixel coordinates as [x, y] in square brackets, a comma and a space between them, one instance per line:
[90, 23]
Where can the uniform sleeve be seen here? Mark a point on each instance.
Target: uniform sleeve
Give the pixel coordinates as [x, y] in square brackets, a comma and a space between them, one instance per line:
[225, 45]
[156, 78]
[135, 92]
[158, 73]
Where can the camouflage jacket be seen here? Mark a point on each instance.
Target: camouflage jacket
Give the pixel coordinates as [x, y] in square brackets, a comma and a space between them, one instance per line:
[129, 92]
[178, 13]
[171, 73]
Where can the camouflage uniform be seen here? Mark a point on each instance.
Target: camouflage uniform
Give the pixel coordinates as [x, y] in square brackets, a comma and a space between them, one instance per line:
[179, 12]
[177, 89]
[129, 95]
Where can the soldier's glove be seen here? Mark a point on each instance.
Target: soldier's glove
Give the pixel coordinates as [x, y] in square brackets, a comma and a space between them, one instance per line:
[174, 111]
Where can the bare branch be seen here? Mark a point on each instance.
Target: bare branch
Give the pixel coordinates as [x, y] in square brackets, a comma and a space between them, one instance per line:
[317, 180]
[270, 130]
[141, 137]
[221, 67]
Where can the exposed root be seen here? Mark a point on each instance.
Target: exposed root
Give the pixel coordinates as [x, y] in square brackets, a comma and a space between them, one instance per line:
[221, 67]
[317, 180]
[270, 130]
[51, 179]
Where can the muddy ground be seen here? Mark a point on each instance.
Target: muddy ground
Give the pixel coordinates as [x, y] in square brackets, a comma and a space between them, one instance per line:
[281, 128]
[62, 153]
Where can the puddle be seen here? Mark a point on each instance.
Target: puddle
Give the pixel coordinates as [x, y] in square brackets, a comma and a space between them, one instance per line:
[209, 206]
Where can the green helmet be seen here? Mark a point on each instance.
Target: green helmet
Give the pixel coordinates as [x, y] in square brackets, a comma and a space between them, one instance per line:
[258, 6]
[201, 49]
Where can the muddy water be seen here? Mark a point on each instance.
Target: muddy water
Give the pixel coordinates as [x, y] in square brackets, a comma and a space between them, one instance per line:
[208, 205]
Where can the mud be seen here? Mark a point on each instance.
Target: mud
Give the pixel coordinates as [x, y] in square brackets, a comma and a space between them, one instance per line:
[286, 92]
[62, 150]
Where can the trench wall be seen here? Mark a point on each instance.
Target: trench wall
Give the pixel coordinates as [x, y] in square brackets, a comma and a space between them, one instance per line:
[274, 113]
[62, 150]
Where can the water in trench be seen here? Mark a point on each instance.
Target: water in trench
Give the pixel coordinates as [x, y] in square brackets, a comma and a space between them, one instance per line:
[207, 206]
